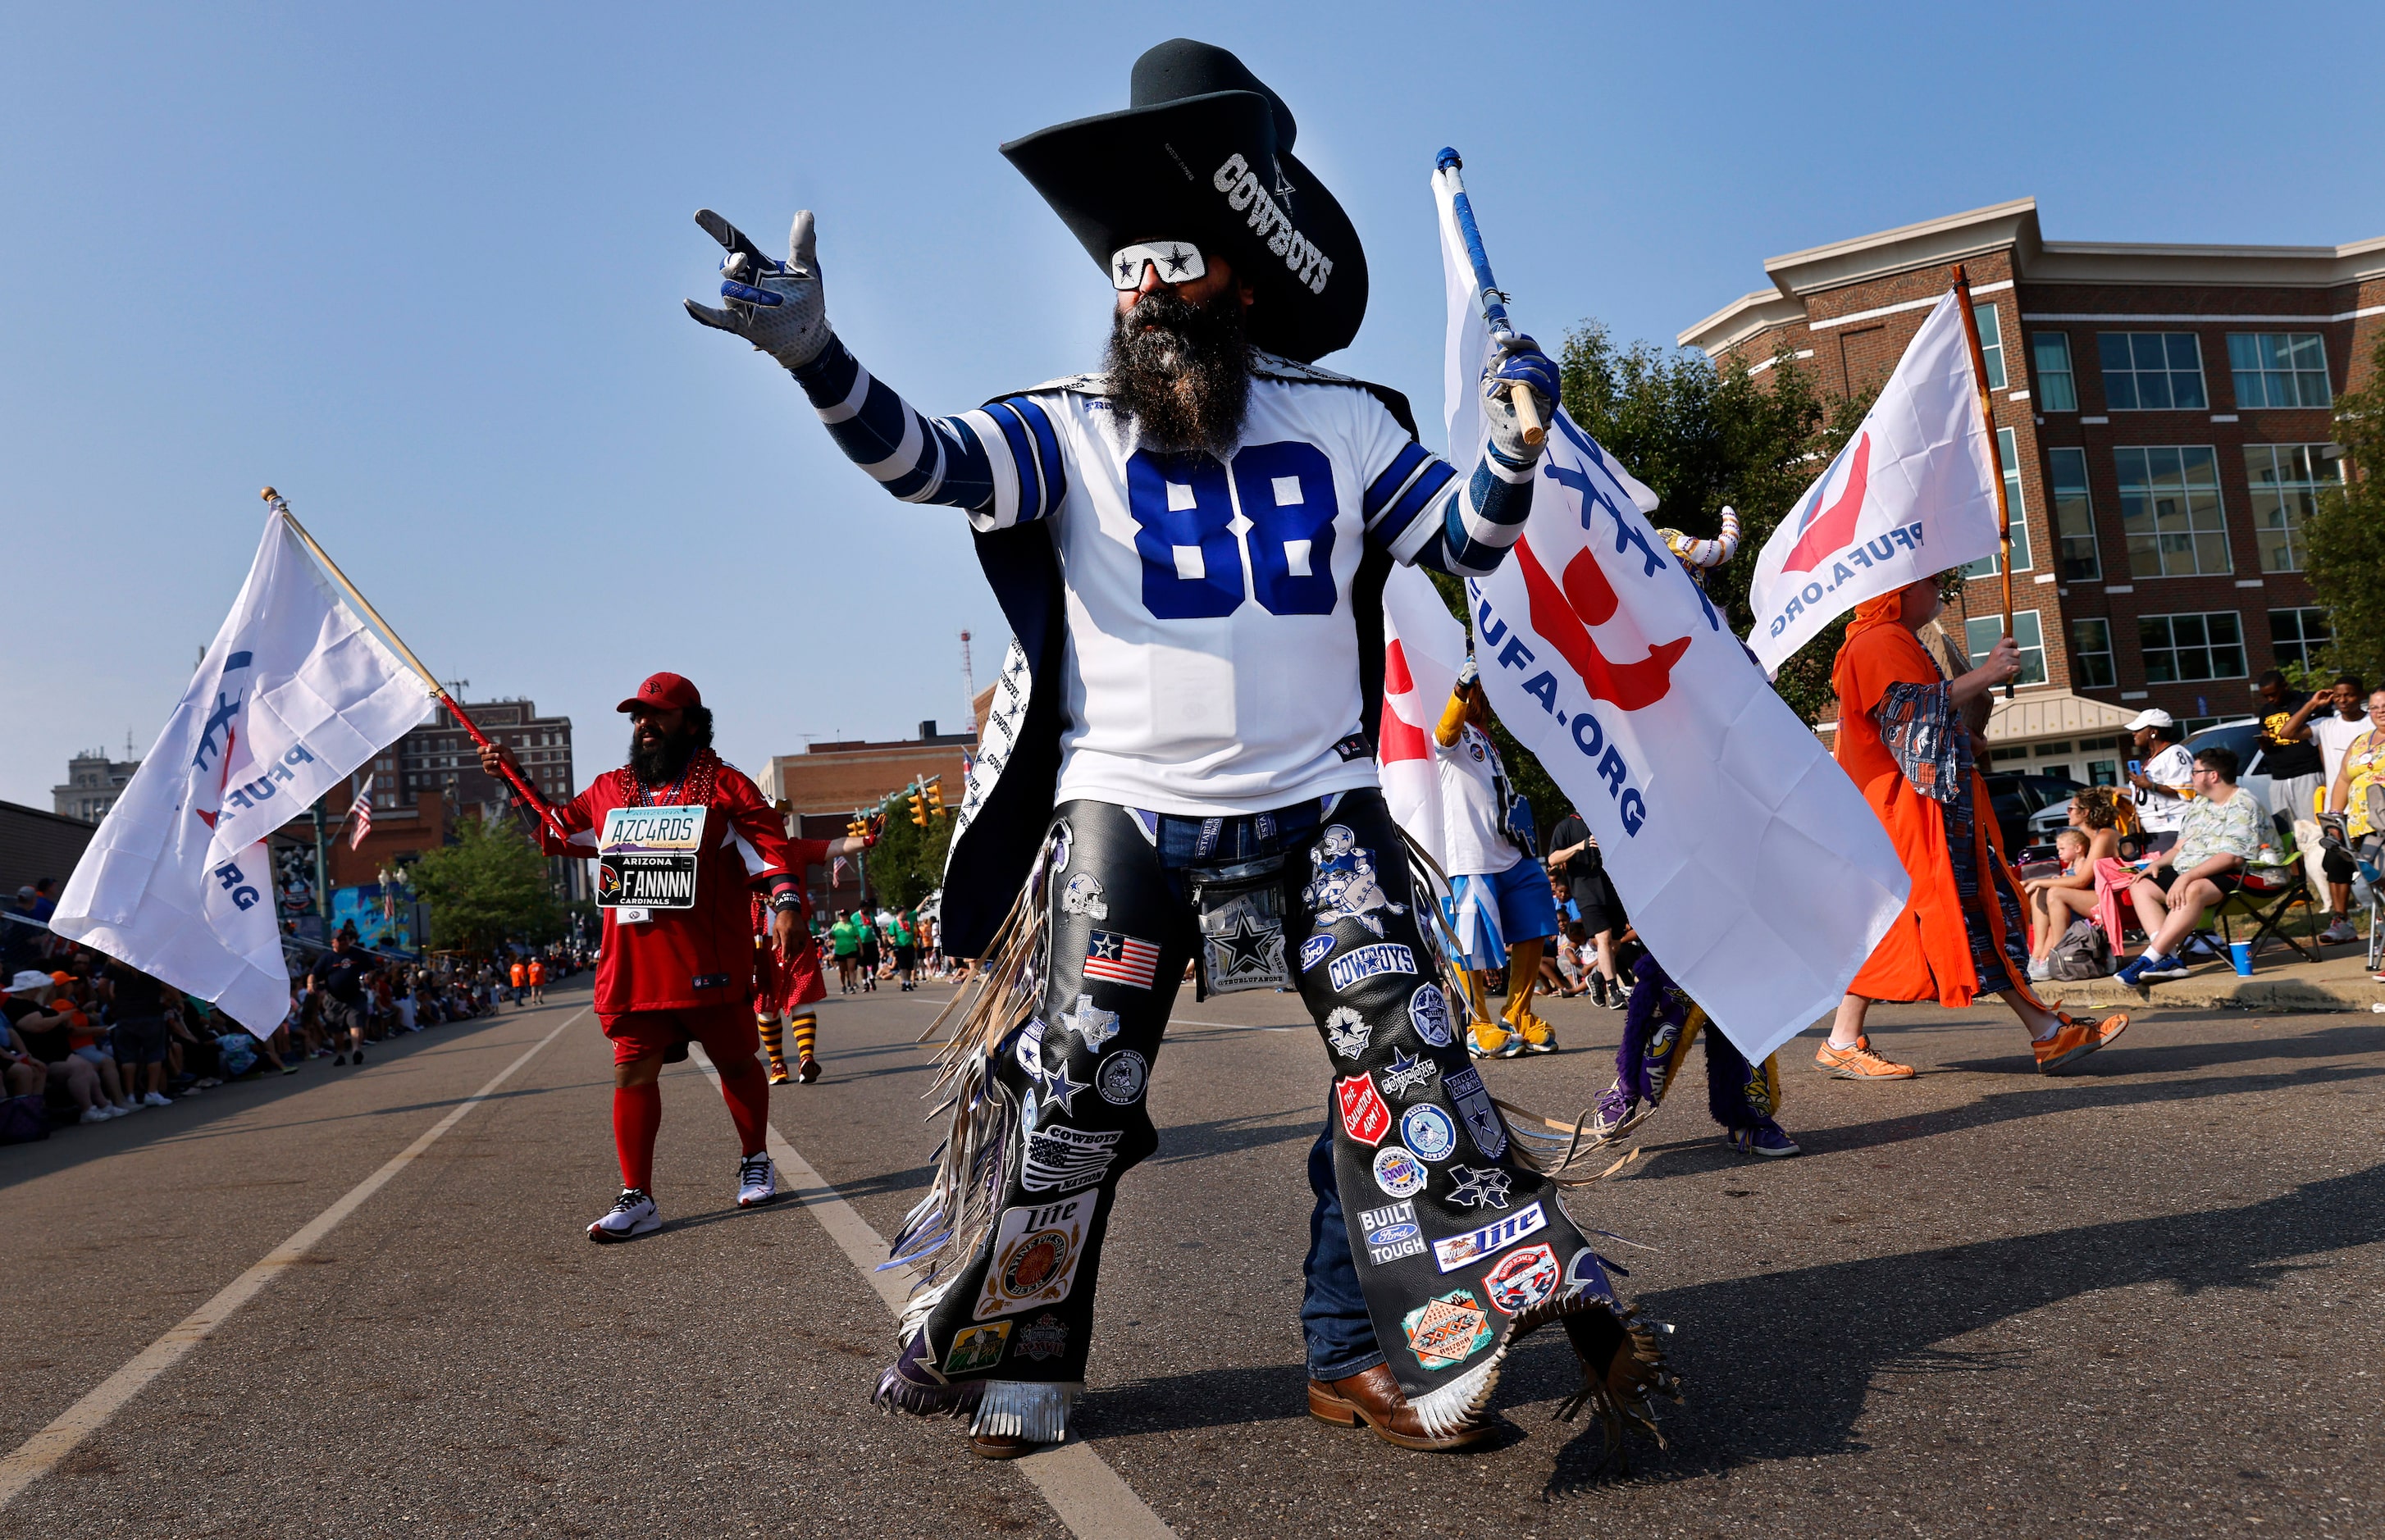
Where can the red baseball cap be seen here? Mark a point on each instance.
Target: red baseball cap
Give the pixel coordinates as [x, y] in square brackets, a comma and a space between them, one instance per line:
[663, 692]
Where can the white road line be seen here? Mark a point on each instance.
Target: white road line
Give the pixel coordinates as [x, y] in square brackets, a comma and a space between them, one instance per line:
[40, 1454]
[1092, 1499]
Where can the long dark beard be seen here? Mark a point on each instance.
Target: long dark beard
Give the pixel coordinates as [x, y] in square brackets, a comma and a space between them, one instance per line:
[665, 762]
[1181, 372]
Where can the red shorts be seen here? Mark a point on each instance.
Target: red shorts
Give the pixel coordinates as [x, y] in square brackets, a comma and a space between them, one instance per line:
[726, 1031]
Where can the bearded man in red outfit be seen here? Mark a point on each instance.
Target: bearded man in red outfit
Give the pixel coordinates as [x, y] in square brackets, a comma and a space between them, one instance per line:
[694, 833]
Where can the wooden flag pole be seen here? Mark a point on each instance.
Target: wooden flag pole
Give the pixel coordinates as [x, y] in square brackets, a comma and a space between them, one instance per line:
[280, 505]
[1987, 417]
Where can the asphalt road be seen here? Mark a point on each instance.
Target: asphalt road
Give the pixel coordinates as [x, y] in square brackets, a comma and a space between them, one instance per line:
[2140, 1301]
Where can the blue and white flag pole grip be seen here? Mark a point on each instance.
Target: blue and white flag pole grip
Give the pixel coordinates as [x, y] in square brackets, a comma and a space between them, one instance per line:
[1487, 295]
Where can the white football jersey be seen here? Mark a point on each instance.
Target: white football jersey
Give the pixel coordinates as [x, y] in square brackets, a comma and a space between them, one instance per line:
[1212, 661]
[1472, 816]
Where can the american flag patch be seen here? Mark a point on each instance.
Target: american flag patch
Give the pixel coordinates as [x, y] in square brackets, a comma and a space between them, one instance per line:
[1121, 959]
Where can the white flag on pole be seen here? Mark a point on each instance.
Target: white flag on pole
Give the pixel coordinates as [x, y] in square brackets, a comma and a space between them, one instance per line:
[1912, 494]
[292, 697]
[1750, 865]
[1424, 646]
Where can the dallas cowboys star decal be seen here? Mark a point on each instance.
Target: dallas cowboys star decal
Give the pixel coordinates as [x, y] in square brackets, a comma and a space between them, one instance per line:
[1173, 260]
[1245, 947]
[1058, 1087]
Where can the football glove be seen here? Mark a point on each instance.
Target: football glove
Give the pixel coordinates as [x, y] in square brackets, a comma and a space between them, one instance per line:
[1520, 362]
[778, 307]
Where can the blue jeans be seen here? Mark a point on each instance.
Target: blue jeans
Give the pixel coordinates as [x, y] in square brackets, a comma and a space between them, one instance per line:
[1333, 1316]
[1332, 1310]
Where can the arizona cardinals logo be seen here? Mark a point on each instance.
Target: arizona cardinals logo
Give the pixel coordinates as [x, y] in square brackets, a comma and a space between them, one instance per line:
[1826, 530]
[1563, 617]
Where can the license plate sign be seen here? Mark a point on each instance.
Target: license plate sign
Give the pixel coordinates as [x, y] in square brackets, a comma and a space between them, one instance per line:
[646, 858]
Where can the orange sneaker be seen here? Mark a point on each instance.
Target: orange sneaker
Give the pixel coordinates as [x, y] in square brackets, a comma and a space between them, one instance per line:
[2075, 1040]
[1858, 1062]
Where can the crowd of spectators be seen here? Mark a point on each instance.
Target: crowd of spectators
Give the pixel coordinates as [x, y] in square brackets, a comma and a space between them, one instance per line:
[87, 1038]
[895, 946]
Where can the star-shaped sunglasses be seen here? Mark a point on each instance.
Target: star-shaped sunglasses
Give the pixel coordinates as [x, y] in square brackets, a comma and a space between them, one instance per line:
[1174, 261]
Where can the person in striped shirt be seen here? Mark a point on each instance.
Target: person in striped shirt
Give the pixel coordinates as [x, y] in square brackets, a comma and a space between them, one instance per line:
[1214, 508]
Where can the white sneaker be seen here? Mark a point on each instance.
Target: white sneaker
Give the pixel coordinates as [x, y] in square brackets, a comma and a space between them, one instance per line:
[2338, 934]
[127, 1109]
[757, 1182]
[2040, 971]
[156, 1100]
[633, 1214]
[93, 1114]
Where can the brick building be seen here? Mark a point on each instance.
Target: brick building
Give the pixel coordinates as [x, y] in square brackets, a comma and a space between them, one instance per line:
[426, 780]
[822, 788]
[2163, 416]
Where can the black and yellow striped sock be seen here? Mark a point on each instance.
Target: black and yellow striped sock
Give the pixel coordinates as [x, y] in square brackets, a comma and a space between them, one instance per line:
[806, 1030]
[772, 1039]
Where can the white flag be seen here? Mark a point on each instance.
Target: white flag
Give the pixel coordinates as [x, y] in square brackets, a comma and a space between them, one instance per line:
[1750, 865]
[1424, 646]
[292, 698]
[1912, 494]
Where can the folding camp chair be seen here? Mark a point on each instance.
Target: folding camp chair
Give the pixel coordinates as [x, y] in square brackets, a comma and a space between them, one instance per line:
[2267, 895]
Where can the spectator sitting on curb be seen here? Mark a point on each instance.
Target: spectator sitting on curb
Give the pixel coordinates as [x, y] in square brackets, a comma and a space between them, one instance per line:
[45, 1032]
[2219, 832]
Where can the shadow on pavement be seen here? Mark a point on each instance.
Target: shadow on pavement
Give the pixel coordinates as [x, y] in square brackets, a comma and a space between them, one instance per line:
[1778, 1368]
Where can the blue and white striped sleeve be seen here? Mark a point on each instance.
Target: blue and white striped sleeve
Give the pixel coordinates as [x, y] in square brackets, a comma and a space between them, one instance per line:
[1001, 463]
[1421, 512]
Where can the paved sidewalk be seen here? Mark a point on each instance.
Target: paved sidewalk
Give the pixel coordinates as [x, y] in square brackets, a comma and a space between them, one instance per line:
[2280, 981]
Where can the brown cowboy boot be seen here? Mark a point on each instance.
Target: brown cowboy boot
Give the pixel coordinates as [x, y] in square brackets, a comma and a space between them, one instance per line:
[1374, 1397]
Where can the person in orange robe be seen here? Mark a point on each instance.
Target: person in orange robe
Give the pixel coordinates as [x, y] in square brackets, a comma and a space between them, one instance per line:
[1907, 736]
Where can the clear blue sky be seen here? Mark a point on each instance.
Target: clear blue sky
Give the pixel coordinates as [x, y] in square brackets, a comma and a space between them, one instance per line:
[421, 267]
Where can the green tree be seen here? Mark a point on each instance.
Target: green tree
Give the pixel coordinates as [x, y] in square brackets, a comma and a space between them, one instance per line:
[490, 886]
[907, 864]
[2347, 534]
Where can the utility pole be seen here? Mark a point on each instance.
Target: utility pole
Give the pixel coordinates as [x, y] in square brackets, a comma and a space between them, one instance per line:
[322, 875]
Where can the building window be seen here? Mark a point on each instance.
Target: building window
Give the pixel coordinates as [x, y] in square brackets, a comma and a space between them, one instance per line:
[2008, 452]
[2278, 368]
[1982, 635]
[2180, 648]
[2297, 636]
[2151, 371]
[1992, 344]
[2056, 390]
[2074, 516]
[2286, 481]
[2170, 513]
[2090, 653]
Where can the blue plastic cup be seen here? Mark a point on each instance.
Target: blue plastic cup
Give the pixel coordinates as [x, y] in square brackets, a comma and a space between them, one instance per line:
[2241, 953]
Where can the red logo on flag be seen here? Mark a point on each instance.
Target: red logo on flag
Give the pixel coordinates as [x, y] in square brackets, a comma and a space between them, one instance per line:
[1399, 738]
[1834, 528]
[1562, 617]
[1364, 1116]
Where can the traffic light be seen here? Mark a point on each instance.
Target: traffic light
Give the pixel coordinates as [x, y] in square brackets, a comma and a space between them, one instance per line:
[856, 826]
[936, 797]
[918, 807]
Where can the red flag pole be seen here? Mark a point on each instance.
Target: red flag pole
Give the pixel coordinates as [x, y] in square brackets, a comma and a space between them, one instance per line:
[1987, 416]
[430, 681]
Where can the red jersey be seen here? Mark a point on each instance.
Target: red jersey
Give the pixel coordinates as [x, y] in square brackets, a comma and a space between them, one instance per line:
[704, 955]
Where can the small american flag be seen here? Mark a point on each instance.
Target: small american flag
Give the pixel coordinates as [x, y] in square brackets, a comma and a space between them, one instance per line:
[360, 813]
[1121, 959]
[836, 873]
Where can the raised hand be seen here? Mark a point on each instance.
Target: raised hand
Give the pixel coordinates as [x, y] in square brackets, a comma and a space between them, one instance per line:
[778, 307]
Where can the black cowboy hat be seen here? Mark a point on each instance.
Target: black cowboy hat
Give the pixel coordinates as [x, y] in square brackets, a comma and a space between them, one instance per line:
[1204, 155]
